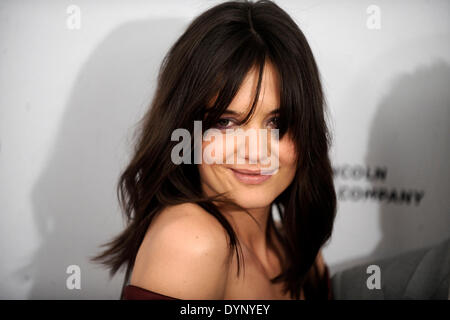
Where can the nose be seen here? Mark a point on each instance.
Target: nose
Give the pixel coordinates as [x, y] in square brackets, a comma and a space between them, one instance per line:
[257, 146]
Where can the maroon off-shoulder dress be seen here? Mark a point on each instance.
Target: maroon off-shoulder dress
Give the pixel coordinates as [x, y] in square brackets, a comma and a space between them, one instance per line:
[131, 292]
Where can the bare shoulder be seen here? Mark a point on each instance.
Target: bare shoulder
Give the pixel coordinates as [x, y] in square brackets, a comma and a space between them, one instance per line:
[184, 254]
[192, 221]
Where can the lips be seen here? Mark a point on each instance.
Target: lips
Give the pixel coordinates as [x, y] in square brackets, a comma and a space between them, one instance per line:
[250, 176]
[253, 172]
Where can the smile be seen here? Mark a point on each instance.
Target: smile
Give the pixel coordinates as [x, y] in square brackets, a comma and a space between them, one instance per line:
[251, 176]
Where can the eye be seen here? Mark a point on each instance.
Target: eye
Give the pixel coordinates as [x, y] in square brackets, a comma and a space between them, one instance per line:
[223, 123]
[274, 122]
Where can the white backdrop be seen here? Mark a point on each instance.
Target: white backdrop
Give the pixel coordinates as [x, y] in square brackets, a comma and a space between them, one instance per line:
[70, 98]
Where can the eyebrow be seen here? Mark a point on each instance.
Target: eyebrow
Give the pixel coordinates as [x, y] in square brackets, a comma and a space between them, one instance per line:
[241, 113]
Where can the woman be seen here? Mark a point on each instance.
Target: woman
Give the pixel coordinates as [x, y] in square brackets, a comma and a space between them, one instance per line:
[206, 230]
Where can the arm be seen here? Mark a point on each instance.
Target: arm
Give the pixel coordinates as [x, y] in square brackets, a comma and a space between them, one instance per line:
[184, 255]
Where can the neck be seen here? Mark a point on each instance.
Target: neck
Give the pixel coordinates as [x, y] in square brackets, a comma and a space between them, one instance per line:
[250, 230]
[250, 233]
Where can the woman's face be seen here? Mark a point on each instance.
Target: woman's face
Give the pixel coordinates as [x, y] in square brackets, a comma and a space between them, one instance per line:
[250, 191]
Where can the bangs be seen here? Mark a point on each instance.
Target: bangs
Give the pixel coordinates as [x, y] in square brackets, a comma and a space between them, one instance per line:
[234, 45]
[251, 55]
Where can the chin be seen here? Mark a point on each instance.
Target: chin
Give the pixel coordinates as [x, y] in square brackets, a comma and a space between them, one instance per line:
[252, 199]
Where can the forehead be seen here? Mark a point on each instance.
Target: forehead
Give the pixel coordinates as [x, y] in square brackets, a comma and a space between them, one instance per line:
[269, 92]
[269, 95]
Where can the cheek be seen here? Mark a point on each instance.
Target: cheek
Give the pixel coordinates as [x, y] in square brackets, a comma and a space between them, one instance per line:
[287, 153]
[210, 172]
[217, 149]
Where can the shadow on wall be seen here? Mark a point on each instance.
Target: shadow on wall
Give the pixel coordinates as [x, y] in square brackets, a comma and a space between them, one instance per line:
[411, 134]
[74, 199]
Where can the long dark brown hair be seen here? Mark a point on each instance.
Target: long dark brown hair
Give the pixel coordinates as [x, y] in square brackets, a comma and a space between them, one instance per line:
[210, 60]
